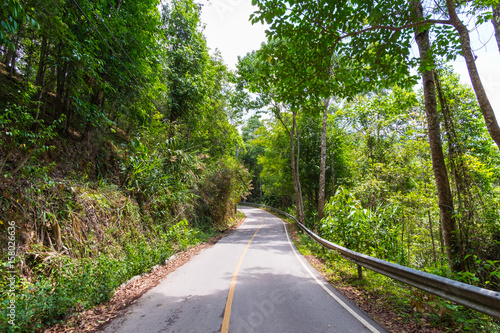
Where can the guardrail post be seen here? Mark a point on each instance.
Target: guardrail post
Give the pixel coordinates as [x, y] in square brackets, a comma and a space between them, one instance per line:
[360, 272]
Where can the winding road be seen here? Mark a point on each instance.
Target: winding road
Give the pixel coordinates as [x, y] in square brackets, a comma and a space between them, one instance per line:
[253, 280]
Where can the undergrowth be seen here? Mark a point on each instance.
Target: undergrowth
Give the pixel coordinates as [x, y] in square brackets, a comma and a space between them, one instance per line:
[407, 303]
[64, 285]
[82, 242]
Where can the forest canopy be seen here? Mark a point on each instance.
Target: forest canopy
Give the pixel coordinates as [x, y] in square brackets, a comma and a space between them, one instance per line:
[117, 147]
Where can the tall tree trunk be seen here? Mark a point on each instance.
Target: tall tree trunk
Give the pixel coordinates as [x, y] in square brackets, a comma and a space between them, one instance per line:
[496, 23]
[432, 236]
[60, 87]
[294, 162]
[300, 202]
[29, 61]
[482, 98]
[460, 175]
[40, 75]
[66, 99]
[295, 176]
[333, 174]
[445, 197]
[322, 165]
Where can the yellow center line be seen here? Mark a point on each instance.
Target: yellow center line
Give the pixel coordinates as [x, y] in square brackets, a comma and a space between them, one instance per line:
[227, 312]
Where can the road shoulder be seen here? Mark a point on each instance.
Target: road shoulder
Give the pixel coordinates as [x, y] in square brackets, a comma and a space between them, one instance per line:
[376, 305]
[96, 318]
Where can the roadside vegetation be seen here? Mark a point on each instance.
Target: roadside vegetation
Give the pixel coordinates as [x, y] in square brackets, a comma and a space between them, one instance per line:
[395, 305]
[117, 144]
[123, 140]
[381, 201]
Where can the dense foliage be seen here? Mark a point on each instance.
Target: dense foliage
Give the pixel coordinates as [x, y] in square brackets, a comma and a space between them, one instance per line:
[119, 142]
[380, 177]
[117, 147]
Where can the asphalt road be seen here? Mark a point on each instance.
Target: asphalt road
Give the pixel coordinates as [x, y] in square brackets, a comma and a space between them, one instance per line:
[252, 280]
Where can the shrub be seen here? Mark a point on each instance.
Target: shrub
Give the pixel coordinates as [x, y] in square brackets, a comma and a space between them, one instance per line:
[224, 183]
[373, 232]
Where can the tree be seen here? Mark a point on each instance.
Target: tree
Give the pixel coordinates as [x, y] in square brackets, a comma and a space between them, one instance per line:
[482, 98]
[376, 35]
[274, 164]
[446, 206]
[260, 73]
[333, 70]
[469, 155]
[322, 168]
[187, 57]
[284, 65]
[495, 20]
[249, 156]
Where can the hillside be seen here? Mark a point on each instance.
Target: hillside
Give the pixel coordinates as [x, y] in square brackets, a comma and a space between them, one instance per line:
[107, 171]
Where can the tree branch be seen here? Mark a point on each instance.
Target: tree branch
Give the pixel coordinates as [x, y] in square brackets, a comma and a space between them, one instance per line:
[406, 26]
[375, 27]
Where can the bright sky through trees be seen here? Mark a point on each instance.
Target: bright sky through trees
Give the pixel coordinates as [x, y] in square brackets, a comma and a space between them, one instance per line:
[488, 63]
[229, 30]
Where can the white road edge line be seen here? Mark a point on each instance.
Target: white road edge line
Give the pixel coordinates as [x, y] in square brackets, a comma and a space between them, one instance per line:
[335, 297]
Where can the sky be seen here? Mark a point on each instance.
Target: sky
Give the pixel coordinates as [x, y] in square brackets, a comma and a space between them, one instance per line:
[229, 30]
[487, 62]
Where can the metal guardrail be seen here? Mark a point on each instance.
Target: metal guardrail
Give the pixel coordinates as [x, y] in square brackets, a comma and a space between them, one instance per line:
[482, 300]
